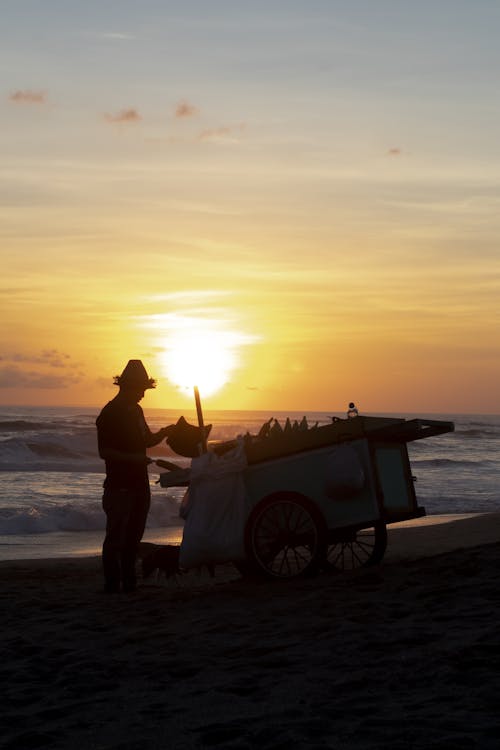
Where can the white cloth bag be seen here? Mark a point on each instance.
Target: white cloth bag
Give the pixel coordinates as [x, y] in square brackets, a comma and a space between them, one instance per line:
[217, 510]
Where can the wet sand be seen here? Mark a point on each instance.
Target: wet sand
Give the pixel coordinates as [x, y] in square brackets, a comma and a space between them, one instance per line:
[403, 655]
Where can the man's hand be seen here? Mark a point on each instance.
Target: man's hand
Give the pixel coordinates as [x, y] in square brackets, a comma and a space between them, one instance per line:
[167, 431]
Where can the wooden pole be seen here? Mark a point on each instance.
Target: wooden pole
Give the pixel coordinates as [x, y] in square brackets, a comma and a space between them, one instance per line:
[200, 420]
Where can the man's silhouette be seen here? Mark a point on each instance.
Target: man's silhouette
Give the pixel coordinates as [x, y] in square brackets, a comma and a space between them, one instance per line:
[123, 437]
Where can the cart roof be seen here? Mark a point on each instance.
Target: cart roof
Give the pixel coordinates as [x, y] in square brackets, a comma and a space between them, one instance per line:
[412, 429]
[387, 429]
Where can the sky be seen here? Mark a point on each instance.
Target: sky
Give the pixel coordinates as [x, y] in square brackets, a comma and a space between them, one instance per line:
[303, 194]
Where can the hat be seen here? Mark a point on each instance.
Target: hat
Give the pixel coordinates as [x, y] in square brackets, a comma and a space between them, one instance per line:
[134, 375]
[184, 438]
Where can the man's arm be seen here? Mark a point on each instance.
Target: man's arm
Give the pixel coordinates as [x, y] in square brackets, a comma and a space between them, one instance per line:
[153, 438]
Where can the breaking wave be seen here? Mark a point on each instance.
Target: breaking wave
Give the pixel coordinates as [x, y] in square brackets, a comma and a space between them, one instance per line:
[42, 518]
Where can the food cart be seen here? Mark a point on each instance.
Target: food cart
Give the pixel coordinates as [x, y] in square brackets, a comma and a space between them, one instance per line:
[322, 497]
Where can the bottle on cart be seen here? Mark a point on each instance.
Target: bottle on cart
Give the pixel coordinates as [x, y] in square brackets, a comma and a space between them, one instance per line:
[352, 411]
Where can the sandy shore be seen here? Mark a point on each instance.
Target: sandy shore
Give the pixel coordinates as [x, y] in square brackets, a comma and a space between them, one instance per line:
[403, 655]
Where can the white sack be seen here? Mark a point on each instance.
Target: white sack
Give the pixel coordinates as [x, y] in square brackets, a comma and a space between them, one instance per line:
[217, 510]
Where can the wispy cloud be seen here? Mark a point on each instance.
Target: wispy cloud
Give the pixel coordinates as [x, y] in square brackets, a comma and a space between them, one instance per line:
[48, 369]
[12, 376]
[199, 320]
[227, 133]
[28, 96]
[50, 357]
[394, 152]
[124, 116]
[185, 109]
[188, 296]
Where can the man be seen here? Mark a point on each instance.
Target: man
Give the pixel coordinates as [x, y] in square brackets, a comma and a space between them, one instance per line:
[123, 437]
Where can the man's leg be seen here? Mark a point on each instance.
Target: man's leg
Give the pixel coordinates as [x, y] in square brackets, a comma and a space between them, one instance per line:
[117, 505]
[135, 529]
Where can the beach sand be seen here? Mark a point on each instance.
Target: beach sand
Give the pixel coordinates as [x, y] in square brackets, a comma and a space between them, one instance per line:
[403, 655]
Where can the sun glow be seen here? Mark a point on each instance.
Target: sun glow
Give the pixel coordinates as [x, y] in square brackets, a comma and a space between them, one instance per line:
[204, 359]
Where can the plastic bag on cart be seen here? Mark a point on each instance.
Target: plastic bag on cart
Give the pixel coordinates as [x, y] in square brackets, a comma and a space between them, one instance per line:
[345, 475]
[216, 510]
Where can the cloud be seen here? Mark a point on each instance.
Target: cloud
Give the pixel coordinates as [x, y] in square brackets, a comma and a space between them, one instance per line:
[49, 357]
[227, 133]
[185, 109]
[19, 370]
[394, 152]
[54, 358]
[28, 97]
[12, 376]
[125, 115]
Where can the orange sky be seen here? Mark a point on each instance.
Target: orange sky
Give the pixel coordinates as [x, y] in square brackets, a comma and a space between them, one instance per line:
[305, 189]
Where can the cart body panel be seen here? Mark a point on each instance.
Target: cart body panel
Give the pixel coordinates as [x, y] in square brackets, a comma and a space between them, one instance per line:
[307, 473]
[396, 484]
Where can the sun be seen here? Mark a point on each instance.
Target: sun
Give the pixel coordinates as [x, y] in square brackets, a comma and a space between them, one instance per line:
[204, 359]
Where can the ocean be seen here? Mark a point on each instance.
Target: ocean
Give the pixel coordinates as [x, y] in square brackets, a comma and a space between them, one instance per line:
[51, 475]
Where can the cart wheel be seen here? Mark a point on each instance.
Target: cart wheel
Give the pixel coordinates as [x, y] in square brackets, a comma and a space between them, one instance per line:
[285, 536]
[359, 548]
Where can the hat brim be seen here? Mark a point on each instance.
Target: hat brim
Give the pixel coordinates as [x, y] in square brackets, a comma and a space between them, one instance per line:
[131, 383]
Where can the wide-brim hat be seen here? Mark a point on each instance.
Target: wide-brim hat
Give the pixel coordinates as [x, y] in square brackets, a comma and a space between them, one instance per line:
[185, 439]
[135, 376]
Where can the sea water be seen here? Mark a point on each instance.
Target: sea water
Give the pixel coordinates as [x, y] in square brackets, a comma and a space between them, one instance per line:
[51, 475]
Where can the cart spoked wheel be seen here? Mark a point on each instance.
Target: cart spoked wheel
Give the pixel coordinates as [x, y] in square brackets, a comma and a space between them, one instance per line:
[285, 536]
[358, 548]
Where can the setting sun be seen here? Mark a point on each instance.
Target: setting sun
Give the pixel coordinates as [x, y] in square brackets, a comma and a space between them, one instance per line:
[199, 359]
[200, 356]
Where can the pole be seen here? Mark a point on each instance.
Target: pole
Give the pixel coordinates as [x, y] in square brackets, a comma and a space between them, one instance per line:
[200, 420]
